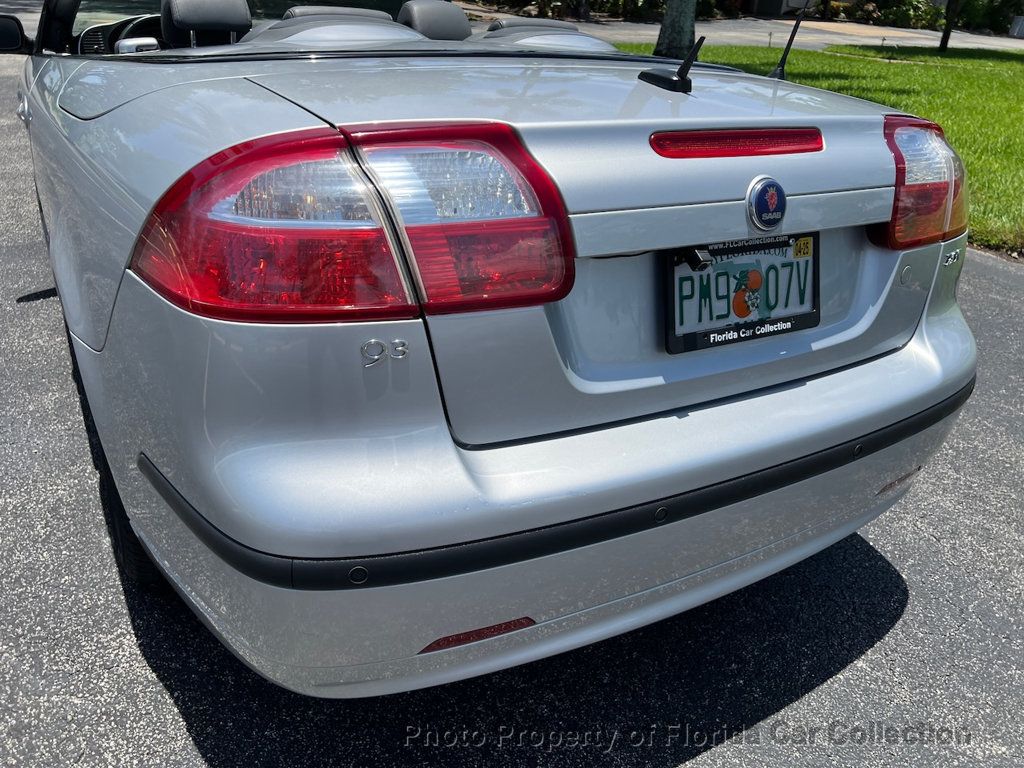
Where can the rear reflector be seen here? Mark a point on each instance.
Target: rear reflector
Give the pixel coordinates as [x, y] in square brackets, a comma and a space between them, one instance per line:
[479, 634]
[930, 201]
[485, 223]
[899, 481]
[746, 142]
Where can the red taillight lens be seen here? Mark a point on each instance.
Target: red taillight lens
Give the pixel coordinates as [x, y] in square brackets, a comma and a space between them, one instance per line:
[931, 193]
[282, 229]
[485, 223]
[745, 142]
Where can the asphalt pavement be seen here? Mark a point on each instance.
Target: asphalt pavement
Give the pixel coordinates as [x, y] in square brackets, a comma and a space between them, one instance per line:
[902, 645]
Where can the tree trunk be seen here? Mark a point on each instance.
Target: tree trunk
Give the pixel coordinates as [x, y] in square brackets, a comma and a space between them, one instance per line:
[677, 29]
[952, 11]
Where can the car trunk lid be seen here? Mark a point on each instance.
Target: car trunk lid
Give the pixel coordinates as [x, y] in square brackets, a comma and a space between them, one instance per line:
[601, 354]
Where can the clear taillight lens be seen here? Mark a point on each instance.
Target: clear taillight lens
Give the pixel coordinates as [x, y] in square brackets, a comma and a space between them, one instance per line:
[485, 224]
[931, 186]
[278, 229]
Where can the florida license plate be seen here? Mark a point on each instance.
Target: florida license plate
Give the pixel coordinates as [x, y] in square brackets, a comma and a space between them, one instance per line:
[752, 289]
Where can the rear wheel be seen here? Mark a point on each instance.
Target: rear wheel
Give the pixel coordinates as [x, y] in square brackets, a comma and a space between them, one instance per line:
[131, 557]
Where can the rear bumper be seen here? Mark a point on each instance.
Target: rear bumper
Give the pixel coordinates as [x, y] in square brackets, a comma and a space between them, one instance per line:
[386, 570]
[363, 642]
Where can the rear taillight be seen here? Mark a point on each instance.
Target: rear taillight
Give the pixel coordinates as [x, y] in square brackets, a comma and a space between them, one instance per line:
[485, 224]
[289, 229]
[931, 187]
[280, 229]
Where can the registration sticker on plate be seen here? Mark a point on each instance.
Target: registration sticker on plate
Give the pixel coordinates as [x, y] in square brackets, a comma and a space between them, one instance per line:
[753, 289]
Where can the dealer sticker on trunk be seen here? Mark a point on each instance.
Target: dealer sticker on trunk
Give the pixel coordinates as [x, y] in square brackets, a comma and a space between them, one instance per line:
[742, 290]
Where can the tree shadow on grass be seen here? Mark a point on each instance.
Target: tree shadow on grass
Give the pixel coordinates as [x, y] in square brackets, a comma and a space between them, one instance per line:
[718, 669]
[961, 56]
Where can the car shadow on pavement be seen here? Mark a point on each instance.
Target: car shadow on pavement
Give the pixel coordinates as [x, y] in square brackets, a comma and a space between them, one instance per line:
[656, 696]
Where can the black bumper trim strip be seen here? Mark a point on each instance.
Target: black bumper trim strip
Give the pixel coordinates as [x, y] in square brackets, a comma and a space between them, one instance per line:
[439, 562]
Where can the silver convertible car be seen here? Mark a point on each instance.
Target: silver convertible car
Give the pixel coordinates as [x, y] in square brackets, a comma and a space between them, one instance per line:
[411, 351]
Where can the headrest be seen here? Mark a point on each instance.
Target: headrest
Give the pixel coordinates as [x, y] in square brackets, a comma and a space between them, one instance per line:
[214, 22]
[436, 19]
[333, 10]
[526, 22]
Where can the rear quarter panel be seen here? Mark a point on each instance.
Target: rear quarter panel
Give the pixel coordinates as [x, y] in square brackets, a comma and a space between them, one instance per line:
[99, 178]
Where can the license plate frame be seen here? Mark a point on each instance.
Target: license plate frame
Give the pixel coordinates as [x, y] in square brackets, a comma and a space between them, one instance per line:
[674, 267]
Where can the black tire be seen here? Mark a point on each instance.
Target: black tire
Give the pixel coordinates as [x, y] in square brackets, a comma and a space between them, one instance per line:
[131, 557]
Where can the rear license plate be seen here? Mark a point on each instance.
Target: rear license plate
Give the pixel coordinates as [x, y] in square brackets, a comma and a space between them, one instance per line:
[753, 289]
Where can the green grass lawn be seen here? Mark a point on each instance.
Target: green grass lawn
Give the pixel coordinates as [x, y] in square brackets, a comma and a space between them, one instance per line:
[976, 96]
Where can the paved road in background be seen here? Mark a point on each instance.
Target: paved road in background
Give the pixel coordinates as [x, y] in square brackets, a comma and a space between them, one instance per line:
[916, 620]
[814, 35]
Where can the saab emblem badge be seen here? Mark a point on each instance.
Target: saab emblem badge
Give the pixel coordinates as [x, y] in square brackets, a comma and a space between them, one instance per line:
[766, 203]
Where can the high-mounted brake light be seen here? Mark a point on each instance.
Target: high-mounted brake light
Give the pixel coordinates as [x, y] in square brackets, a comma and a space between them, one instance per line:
[740, 142]
[931, 186]
[288, 228]
[485, 224]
